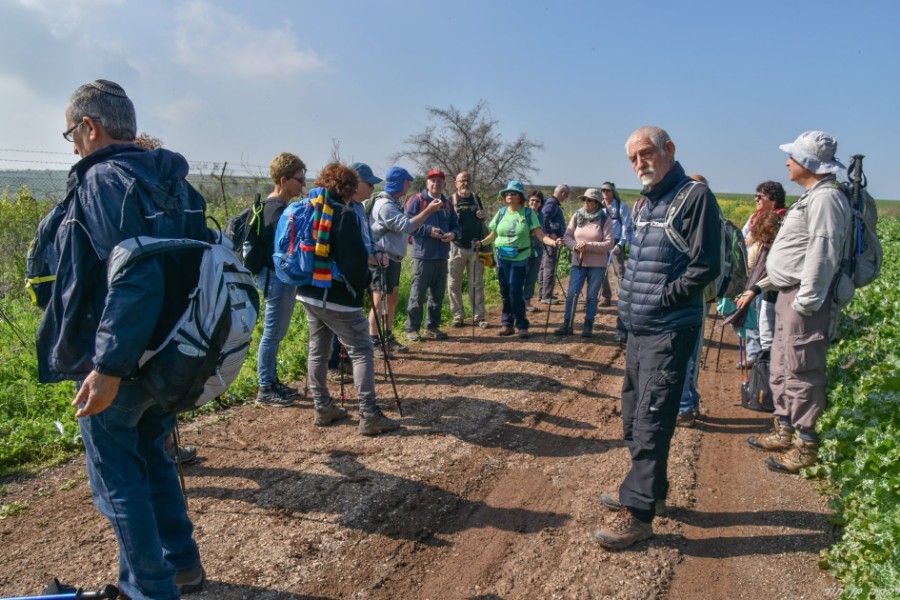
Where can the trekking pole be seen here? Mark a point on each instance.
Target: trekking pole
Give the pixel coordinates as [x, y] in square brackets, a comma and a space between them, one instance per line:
[387, 362]
[856, 177]
[577, 295]
[719, 351]
[549, 306]
[176, 439]
[382, 273]
[343, 354]
[109, 592]
[709, 340]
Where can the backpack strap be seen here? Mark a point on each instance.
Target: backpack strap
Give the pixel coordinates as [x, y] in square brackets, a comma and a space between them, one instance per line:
[672, 213]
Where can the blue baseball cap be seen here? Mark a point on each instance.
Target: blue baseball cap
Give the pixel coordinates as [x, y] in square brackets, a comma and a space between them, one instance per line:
[365, 173]
[395, 178]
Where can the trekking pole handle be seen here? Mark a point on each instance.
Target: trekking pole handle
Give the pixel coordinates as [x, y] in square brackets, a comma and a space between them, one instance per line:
[108, 592]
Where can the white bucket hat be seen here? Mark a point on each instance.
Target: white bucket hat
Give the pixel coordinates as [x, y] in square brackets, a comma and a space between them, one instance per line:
[815, 151]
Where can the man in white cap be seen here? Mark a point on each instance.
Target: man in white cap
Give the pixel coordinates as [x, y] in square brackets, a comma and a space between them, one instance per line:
[802, 264]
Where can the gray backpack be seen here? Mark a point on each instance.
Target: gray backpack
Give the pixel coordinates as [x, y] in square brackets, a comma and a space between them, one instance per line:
[196, 352]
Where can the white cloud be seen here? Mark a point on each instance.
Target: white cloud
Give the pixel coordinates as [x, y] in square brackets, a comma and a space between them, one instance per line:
[212, 42]
[64, 17]
[183, 111]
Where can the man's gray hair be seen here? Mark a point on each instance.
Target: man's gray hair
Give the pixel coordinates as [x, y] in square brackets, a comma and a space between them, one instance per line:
[560, 190]
[106, 101]
[658, 136]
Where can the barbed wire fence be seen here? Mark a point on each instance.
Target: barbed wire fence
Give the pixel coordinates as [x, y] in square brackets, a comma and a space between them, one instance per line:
[227, 186]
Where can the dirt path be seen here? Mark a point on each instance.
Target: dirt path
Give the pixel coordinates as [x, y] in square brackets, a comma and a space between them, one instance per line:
[488, 492]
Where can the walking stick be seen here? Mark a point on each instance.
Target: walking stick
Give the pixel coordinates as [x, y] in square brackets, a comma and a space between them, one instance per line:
[109, 592]
[719, 350]
[472, 290]
[387, 362]
[709, 340]
[343, 354]
[549, 306]
[382, 273]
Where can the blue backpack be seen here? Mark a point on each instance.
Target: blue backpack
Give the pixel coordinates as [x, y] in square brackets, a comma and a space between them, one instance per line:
[299, 255]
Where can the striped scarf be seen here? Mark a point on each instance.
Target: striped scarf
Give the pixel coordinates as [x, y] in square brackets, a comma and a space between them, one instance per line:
[323, 216]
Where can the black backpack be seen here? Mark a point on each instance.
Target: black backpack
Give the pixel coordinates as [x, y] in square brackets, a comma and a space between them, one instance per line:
[247, 236]
[756, 393]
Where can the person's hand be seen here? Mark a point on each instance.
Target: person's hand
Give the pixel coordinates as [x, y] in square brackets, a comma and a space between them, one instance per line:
[436, 233]
[448, 237]
[380, 259]
[579, 246]
[559, 243]
[479, 214]
[434, 206]
[97, 392]
[617, 249]
[476, 244]
[744, 299]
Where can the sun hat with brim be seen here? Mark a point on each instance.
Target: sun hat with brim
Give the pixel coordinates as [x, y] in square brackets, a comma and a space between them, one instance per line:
[815, 150]
[513, 186]
[591, 194]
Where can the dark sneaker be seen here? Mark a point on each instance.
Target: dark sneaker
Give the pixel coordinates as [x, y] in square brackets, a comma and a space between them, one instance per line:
[611, 503]
[484, 324]
[267, 395]
[190, 580]
[587, 330]
[329, 414]
[285, 391]
[373, 423]
[435, 334]
[685, 419]
[624, 531]
[504, 331]
[523, 334]
[458, 322]
[186, 455]
[394, 345]
[780, 438]
[413, 336]
[802, 454]
[564, 329]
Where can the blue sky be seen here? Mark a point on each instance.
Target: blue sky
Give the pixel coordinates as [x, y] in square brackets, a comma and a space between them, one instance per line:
[242, 81]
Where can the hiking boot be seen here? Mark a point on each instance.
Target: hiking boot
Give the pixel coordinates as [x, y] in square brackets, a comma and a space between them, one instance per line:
[484, 324]
[776, 440]
[186, 455]
[373, 423]
[611, 503]
[605, 301]
[624, 531]
[329, 414]
[394, 345]
[587, 330]
[190, 580]
[458, 322]
[549, 301]
[523, 334]
[564, 329]
[435, 334]
[504, 331]
[685, 419]
[268, 395]
[378, 349]
[413, 336]
[802, 454]
[285, 391]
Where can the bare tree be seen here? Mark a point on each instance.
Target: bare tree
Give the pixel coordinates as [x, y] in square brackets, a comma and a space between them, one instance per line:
[145, 140]
[471, 142]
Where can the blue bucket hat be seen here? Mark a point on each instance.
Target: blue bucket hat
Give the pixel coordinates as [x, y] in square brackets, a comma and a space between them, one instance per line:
[513, 186]
[395, 178]
[365, 173]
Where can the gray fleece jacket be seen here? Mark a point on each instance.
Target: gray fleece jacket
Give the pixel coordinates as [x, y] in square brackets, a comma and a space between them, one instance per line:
[391, 227]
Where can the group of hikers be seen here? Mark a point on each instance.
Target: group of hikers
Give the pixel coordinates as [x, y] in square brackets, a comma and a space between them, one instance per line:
[94, 330]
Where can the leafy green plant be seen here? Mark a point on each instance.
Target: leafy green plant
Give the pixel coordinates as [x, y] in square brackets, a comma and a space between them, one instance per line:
[860, 450]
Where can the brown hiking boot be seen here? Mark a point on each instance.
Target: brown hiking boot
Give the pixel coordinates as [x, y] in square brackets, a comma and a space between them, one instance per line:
[612, 504]
[504, 331]
[803, 454]
[775, 441]
[624, 531]
[329, 414]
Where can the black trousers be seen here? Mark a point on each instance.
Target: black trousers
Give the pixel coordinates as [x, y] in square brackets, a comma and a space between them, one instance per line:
[655, 370]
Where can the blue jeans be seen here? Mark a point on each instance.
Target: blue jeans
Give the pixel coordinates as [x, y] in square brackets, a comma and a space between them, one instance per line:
[352, 329]
[690, 395]
[135, 485]
[280, 300]
[531, 273]
[511, 277]
[595, 276]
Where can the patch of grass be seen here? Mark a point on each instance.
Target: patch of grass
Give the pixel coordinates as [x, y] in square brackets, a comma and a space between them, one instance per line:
[12, 509]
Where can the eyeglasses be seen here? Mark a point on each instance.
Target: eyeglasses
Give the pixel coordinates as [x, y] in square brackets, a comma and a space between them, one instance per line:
[463, 181]
[761, 196]
[300, 180]
[67, 134]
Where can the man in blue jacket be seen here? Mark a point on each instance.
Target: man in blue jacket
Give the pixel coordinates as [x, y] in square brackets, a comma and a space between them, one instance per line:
[431, 251]
[661, 304]
[554, 227]
[94, 334]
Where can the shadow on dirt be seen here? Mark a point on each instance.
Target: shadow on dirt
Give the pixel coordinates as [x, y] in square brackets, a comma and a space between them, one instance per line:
[726, 547]
[214, 589]
[367, 501]
[738, 426]
[495, 425]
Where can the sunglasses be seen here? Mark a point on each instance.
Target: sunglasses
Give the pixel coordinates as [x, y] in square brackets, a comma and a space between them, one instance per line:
[300, 180]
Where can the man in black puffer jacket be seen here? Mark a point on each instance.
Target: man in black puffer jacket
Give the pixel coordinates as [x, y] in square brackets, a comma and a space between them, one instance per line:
[661, 305]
